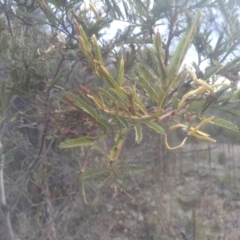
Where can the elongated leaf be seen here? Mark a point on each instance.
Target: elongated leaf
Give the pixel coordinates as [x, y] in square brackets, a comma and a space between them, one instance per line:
[210, 71]
[78, 142]
[120, 180]
[127, 167]
[154, 126]
[103, 182]
[107, 94]
[83, 38]
[90, 174]
[182, 48]
[91, 7]
[137, 101]
[119, 135]
[81, 104]
[123, 120]
[151, 79]
[97, 49]
[157, 41]
[229, 110]
[181, 79]
[226, 124]
[119, 96]
[34, 17]
[218, 94]
[121, 73]
[148, 88]
[138, 133]
[111, 95]
[140, 104]
[115, 151]
[107, 126]
[117, 121]
[87, 53]
[230, 65]
[106, 76]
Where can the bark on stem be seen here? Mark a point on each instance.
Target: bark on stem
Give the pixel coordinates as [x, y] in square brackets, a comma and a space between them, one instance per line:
[3, 202]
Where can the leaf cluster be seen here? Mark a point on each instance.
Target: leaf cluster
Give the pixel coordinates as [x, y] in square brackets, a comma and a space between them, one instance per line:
[121, 101]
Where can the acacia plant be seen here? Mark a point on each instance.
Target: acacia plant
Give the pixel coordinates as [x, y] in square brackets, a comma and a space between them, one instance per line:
[124, 104]
[63, 79]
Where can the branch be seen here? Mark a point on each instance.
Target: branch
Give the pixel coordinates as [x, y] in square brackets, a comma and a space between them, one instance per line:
[3, 203]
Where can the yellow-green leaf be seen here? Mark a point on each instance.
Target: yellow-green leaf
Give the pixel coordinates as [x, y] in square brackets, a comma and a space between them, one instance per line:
[91, 7]
[154, 126]
[182, 48]
[128, 167]
[123, 120]
[224, 123]
[78, 142]
[121, 73]
[81, 104]
[117, 121]
[120, 97]
[107, 126]
[148, 88]
[157, 41]
[151, 79]
[105, 75]
[138, 133]
[90, 174]
[97, 49]
[229, 110]
[81, 34]
[139, 104]
[112, 95]
[115, 151]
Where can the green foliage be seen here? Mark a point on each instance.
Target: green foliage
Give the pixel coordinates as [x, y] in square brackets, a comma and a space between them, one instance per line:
[154, 87]
[226, 124]
[71, 83]
[157, 87]
[182, 48]
[119, 140]
[138, 133]
[154, 126]
[78, 142]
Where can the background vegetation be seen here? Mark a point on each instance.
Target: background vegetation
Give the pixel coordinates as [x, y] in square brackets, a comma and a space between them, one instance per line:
[116, 99]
